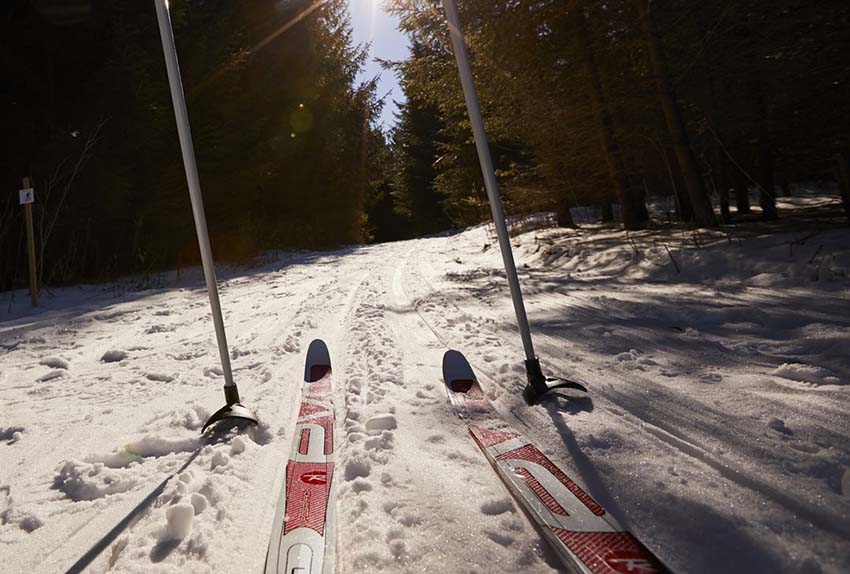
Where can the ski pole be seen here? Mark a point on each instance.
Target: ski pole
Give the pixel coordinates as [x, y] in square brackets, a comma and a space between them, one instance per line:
[231, 392]
[537, 383]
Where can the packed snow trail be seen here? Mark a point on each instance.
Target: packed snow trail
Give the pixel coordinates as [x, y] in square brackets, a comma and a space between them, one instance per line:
[715, 428]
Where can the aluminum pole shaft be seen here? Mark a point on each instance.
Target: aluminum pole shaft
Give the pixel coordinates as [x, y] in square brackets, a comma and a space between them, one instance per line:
[481, 143]
[177, 97]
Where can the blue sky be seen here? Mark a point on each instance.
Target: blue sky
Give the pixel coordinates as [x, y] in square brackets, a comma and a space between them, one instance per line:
[372, 24]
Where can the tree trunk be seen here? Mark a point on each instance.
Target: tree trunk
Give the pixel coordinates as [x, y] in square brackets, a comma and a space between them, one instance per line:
[684, 211]
[700, 202]
[844, 180]
[606, 210]
[742, 193]
[784, 183]
[563, 213]
[632, 209]
[722, 182]
[767, 163]
[767, 193]
[719, 168]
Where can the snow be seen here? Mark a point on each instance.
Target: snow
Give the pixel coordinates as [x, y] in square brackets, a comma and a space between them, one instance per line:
[807, 374]
[716, 426]
[54, 363]
[179, 521]
[113, 356]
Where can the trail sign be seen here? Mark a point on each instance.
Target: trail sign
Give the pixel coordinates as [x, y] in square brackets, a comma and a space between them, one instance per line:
[26, 196]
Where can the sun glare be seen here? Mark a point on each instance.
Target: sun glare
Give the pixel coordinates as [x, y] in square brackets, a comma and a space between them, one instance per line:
[366, 11]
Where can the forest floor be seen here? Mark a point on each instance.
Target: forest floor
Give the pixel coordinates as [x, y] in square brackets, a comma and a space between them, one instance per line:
[716, 427]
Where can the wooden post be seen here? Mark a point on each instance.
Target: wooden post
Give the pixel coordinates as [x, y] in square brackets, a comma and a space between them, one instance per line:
[30, 247]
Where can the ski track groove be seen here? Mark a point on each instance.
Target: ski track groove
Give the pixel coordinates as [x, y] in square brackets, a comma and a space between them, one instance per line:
[378, 352]
[270, 327]
[305, 318]
[819, 517]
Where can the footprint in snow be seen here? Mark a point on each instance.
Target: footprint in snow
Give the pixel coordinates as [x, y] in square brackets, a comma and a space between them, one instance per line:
[361, 485]
[79, 480]
[778, 425]
[52, 375]
[497, 506]
[113, 356]
[14, 516]
[499, 538]
[382, 442]
[357, 468]
[376, 424]
[54, 363]
[153, 329]
[396, 543]
[711, 378]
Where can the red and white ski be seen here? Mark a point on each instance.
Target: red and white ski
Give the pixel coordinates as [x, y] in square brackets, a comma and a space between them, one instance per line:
[303, 539]
[586, 538]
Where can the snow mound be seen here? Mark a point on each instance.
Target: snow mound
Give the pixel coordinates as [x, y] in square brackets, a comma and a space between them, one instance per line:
[192, 418]
[219, 459]
[179, 521]
[807, 374]
[147, 447]
[237, 446]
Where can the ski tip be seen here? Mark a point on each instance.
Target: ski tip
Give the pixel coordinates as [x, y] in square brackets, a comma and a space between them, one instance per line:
[318, 361]
[456, 368]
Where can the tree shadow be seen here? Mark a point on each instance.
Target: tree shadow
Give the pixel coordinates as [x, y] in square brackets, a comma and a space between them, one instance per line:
[715, 543]
[590, 476]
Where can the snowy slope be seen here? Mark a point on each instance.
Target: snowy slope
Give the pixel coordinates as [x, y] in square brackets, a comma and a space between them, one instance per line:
[716, 427]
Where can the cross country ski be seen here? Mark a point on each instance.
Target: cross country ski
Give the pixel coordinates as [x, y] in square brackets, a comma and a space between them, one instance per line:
[587, 539]
[303, 536]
